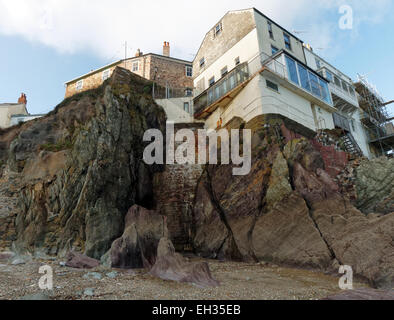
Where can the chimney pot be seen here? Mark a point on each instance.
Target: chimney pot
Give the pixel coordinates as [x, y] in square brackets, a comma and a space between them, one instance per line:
[166, 49]
[22, 99]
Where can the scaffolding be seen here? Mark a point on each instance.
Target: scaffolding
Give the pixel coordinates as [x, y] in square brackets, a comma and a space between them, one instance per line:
[375, 117]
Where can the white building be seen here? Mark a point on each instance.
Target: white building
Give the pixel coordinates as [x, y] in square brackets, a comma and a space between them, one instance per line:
[248, 66]
[12, 114]
[346, 100]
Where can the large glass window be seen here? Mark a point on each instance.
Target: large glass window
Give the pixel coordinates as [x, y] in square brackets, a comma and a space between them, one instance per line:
[329, 76]
[292, 69]
[315, 84]
[325, 92]
[304, 78]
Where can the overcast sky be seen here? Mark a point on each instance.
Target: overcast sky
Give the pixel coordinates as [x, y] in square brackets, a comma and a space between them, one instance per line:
[47, 42]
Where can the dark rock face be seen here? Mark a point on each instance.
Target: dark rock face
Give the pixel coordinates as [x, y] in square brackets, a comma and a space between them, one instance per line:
[288, 210]
[137, 248]
[363, 294]
[374, 182]
[80, 261]
[82, 168]
[172, 266]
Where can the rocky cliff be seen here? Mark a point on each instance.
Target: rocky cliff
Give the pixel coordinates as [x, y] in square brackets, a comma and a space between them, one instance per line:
[69, 180]
[289, 210]
[76, 172]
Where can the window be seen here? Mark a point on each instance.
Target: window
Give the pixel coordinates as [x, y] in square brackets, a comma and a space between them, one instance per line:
[106, 74]
[79, 85]
[318, 64]
[189, 71]
[188, 92]
[186, 107]
[274, 50]
[344, 86]
[352, 92]
[329, 76]
[337, 81]
[202, 62]
[211, 81]
[136, 66]
[292, 70]
[237, 61]
[287, 41]
[272, 86]
[270, 30]
[218, 29]
[224, 71]
[305, 83]
[325, 93]
[315, 84]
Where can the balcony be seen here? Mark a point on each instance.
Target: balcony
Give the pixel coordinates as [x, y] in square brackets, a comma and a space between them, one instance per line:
[290, 73]
[225, 89]
[343, 93]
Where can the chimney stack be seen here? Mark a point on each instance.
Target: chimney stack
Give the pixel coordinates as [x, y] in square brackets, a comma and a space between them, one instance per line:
[166, 49]
[22, 99]
[139, 53]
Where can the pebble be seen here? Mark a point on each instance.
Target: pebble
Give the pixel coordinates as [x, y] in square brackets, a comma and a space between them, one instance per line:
[112, 275]
[89, 292]
[36, 297]
[93, 275]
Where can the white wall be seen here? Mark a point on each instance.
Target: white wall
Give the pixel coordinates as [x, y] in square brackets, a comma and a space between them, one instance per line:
[265, 41]
[7, 110]
[174, 109]
[19, 119]
[257, 99]
[245, 49]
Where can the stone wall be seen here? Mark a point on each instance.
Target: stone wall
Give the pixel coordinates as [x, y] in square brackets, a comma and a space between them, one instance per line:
[174, 191]
[235, 26]
[171, 72]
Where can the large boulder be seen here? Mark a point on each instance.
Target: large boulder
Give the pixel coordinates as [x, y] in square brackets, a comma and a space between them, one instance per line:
[374, 182]
[80, 261]
[137, 248]
[172, 266]
[287, 235]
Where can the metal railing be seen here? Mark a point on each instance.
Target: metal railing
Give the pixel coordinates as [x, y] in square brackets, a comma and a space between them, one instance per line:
[236, 77]
[160, 92]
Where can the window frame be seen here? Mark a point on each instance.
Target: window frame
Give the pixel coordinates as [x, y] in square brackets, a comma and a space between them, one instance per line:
[188, 68]
[188, 107]
[202, 62]
[272, 85]
[211, 82]
[187, 91]
[133, 66]
[79, 85]
[218, 30]
[273, 48]
[318, 63]
[288, 45]
[224, 71]
[106, 74]
[270, 30]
